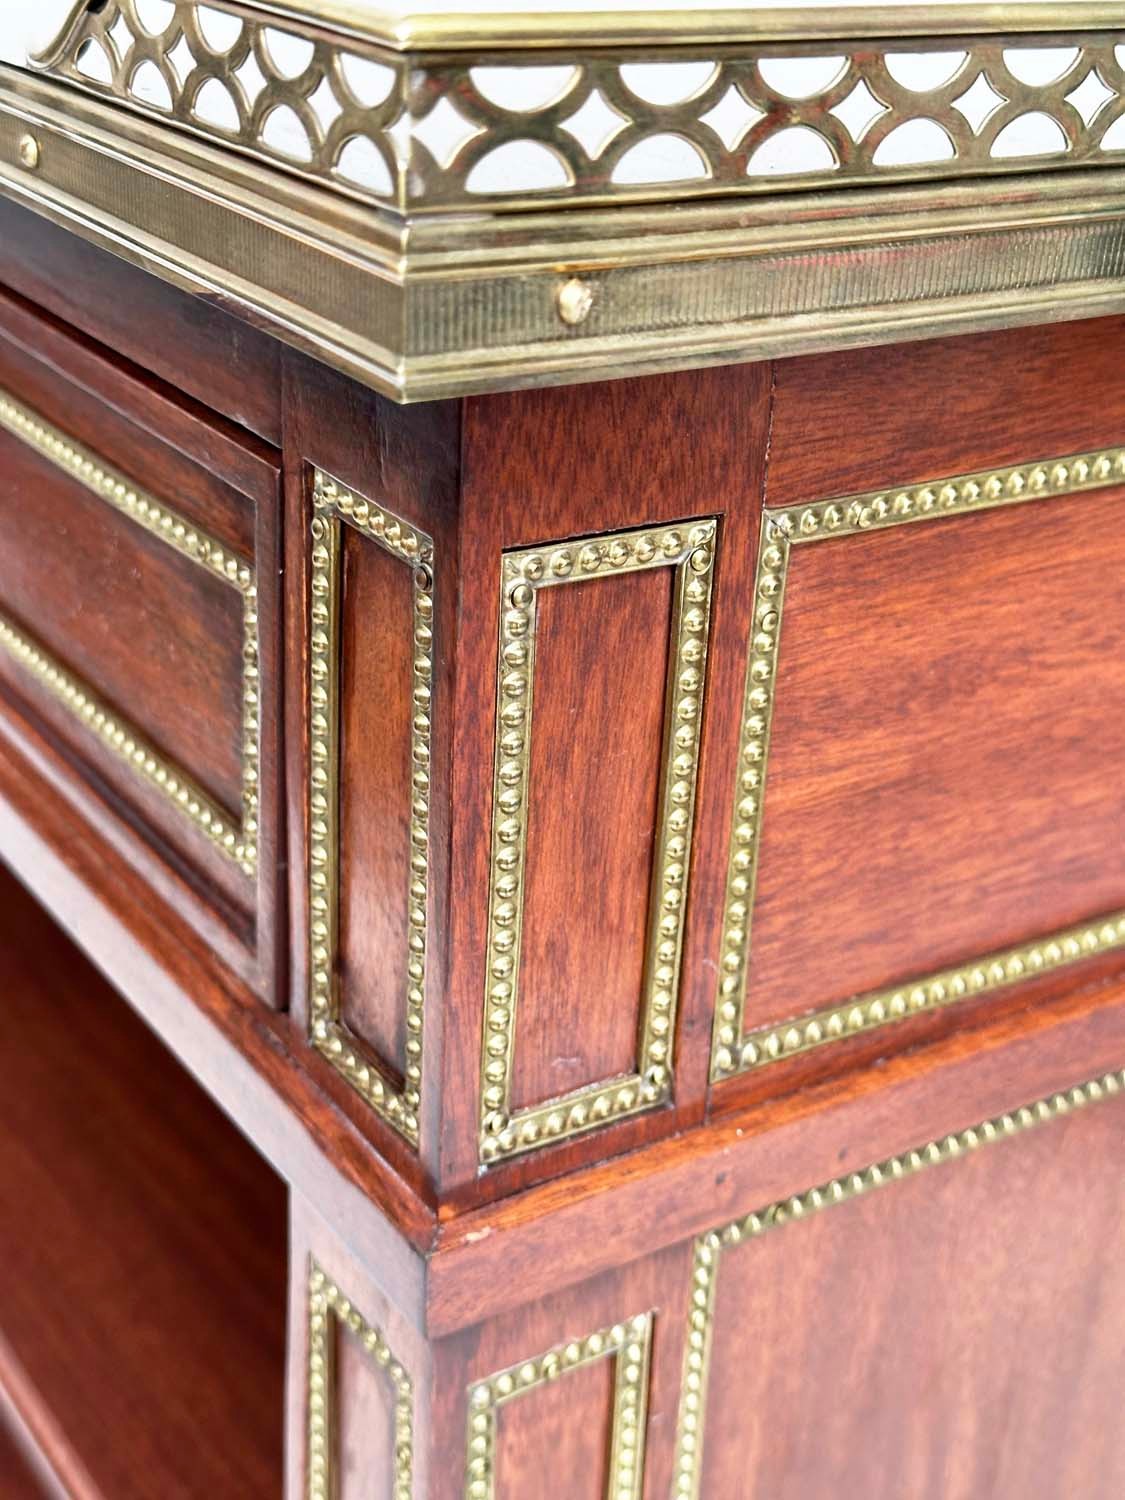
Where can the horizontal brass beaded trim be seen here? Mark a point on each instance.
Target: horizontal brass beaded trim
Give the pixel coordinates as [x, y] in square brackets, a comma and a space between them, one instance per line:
[709, 1247]
[239, 842]
[628, 1344]
[689, 549]
[733, 1049]
[335, 505]
[328, 1306]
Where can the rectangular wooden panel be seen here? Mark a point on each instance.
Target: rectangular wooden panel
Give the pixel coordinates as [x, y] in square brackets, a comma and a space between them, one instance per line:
[132, 529]
[928, 781]
[947, 1327]
[358, 1377]
[601, 669]
[574, 1395]
[370, 673]
[100, 590]
[623, 655]
[376, 795]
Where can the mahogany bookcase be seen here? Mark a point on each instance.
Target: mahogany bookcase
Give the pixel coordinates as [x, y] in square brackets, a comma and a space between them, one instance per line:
[562, 790]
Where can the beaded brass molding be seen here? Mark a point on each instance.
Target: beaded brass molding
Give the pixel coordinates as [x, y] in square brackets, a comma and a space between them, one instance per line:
[690, 549]
[334, 505]
[535, 127]
[328, 1307]
[238, 841]
[733, 1049]
[628, 1344]
[709, 1248]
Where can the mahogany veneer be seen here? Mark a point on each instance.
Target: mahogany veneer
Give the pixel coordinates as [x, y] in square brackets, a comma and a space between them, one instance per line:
[671, 945]
[143, 1241]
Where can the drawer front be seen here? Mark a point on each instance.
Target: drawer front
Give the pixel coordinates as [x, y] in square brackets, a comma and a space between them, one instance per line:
[132, 534]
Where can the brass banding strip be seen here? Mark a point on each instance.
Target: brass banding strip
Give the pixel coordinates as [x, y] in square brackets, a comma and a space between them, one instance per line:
[238, 841]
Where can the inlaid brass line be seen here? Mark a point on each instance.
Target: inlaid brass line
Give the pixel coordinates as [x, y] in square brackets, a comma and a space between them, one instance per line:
[334, 505]
[709, 1248]
[327, 1308]
[239, 842]
[628, 1343]
[734, 1050]
[689, 549]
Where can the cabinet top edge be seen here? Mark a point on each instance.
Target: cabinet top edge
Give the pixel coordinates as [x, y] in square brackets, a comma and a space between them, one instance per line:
[462, 25]
[439, 268]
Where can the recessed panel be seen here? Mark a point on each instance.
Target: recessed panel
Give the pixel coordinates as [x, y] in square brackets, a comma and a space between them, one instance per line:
[155, 635]
[919, 1338]
[598, 709]
[945, 762]
[369, 714]
[601, 669]
[557, 1438]
[365, 1403]
[928, 806]
[376, 793]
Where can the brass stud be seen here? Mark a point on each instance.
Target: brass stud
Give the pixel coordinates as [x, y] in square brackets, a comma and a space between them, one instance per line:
[29, 152]
[575, 299]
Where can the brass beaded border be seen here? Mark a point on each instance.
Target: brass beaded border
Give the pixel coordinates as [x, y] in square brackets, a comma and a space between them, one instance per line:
[733, 1049]
[629, 1343]
[328, 1305]
[690, 549]
[709, 1247]
[335, 505]
[239, 843]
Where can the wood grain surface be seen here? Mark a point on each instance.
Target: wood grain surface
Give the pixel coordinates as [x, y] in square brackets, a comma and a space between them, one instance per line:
[143, 1241]
[944, 764]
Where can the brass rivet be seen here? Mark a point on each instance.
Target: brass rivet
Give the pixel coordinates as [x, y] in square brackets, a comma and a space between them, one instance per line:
[575, 300]
[29, 152]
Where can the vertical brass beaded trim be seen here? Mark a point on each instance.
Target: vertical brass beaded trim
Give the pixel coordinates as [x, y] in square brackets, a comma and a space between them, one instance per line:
[328, 1307]
[709, 1248]
[629, 1345]
[335, 505]
[690, 550]
[239, 842]
[733, 1049]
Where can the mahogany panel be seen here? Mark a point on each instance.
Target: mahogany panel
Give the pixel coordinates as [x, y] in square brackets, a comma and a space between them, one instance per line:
[154, 634]
[376, 793]
[943, 772]
[956, 1335]
[598, 716]
[366, 1421]
[869, 418]
[160, 639]
[366, 1340]
[561, 1430]
[407, 460]
[630, 453]
[143, 1242]
[553, 1434]
[188, 341]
